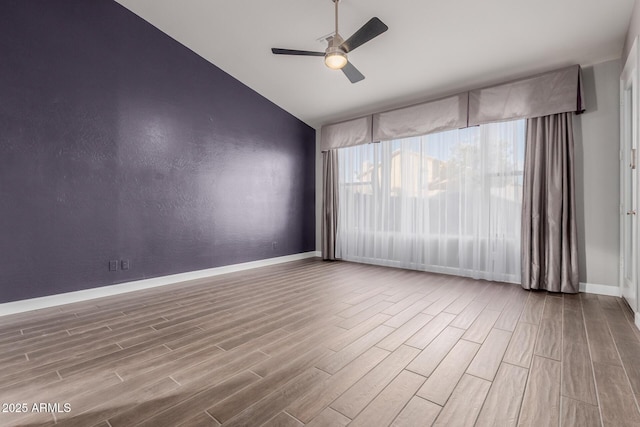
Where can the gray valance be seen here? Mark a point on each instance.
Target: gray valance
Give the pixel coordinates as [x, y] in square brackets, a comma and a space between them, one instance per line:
[555, 92]
[550, 93]
[346, 134]
[429, 117]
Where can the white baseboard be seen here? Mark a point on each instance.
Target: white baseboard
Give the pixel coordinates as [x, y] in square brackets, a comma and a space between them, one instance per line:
[592, 288]
[105, 291]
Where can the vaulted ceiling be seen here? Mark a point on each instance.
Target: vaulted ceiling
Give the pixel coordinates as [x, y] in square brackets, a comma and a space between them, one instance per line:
[432, 48]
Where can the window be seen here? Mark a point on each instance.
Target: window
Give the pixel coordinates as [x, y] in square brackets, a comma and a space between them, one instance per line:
[448, 202]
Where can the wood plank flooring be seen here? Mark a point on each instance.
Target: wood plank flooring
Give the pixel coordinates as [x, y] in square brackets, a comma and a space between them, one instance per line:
[325, 344]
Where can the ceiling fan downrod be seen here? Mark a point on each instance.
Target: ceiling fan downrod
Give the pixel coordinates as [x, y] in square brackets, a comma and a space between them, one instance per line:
[335, 57]
[336, 9]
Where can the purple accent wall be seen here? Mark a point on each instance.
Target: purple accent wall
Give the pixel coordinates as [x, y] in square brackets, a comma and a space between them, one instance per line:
[117, 142]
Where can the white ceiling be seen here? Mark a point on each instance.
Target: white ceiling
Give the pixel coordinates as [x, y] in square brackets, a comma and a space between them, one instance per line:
[432, 48]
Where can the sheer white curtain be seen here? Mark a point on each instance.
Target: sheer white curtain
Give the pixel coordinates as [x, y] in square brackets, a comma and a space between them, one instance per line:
[448, 202]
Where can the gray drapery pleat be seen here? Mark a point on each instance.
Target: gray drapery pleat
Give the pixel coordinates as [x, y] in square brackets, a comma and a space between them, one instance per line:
[549, 232]
[329, 204]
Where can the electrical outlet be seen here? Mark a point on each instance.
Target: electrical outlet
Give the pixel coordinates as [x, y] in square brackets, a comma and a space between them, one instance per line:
[113, 265]
[274, 245]
[124, 264]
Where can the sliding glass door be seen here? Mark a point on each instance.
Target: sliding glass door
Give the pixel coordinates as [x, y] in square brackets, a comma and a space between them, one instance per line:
[448, 202]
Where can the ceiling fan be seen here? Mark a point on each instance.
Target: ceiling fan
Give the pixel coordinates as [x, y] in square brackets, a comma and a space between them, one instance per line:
[335, 56]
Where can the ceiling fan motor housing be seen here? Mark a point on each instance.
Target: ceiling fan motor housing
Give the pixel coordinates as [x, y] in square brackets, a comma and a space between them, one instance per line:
[335, 58]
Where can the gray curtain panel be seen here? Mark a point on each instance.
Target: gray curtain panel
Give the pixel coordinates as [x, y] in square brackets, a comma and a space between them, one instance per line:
[329, 203]
[549, 232]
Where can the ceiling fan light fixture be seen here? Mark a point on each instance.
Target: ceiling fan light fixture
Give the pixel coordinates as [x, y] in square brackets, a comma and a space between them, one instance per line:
[336, 59]
[335, 56]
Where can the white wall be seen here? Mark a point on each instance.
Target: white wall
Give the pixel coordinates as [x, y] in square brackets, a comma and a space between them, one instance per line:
[597, 175]
[633, 31]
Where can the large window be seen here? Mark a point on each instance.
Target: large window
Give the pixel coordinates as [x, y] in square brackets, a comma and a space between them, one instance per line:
[449, 202]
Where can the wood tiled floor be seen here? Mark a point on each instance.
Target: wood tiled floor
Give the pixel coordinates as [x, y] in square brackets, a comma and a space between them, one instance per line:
[326, 344]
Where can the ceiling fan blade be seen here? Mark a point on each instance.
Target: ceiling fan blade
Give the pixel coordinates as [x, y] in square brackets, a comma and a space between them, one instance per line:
[368, 31]
[278, 51]
[352, 73]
